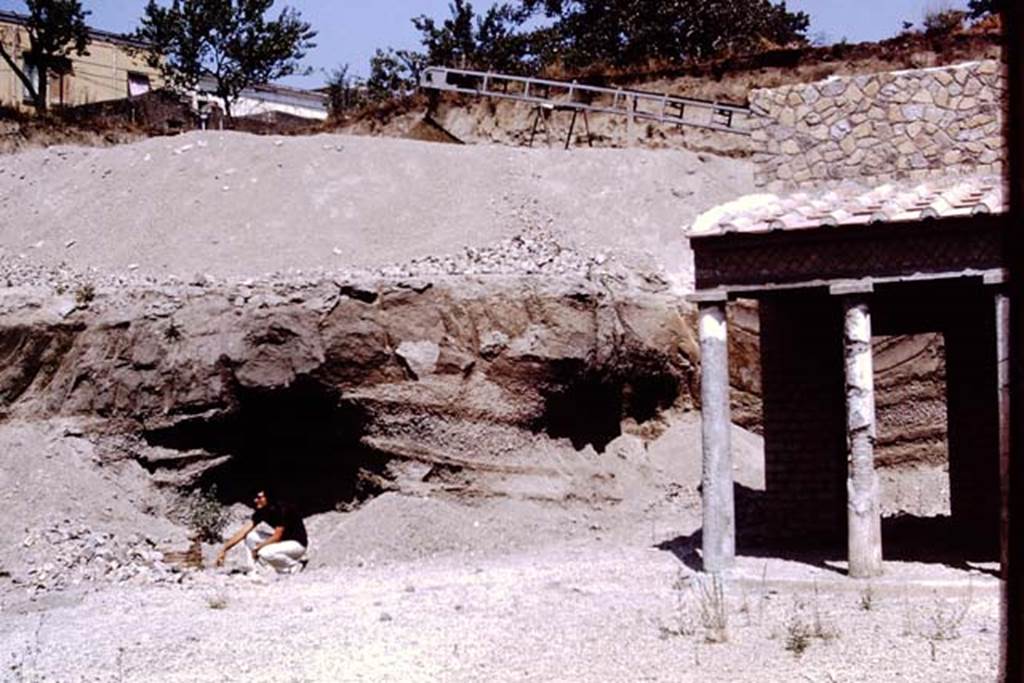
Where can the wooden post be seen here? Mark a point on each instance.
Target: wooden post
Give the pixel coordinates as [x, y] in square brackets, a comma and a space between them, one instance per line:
[719, 533]
[631, 122]
[863, 509]
[572, 128]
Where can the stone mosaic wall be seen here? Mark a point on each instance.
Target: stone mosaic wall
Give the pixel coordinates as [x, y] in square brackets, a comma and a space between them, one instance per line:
[901, 124]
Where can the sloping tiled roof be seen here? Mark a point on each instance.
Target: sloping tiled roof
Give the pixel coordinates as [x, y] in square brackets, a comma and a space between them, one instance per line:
[856, 205]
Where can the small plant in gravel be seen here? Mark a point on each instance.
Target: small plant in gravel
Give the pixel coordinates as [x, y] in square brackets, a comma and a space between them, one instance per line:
[946, 617]
[940, 621]
[204, 514]
[907, 627]
[867, 598]
[803, 627]
[685, 621]
[700, 600]
[744, 607]
[713, 608]
[84, 294]
[762, 602]
[798, 636]
[824, 627]
[217, 601]
[22, 663]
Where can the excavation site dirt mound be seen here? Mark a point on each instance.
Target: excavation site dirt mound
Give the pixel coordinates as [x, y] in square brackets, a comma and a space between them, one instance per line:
[347, 316]
[231, 204]
[351, 316]
[472, 367]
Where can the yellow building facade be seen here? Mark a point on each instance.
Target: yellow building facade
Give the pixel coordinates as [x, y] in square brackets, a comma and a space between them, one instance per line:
[109, 71]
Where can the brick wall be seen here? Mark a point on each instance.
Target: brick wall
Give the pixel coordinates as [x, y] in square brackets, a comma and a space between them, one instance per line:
[804, 501]
[804, 419]
[902, 124]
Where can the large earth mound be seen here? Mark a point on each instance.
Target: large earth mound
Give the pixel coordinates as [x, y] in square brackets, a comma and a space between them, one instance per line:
[350, 317]
[231, 204]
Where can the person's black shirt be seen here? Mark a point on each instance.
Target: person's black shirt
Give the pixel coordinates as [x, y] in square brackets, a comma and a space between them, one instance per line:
[286, 516]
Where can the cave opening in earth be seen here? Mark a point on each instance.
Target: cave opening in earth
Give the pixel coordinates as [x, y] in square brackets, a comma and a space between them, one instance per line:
[590, 405]
[302, 443]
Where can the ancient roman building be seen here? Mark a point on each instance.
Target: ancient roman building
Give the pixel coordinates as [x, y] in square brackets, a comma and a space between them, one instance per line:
[886, 218]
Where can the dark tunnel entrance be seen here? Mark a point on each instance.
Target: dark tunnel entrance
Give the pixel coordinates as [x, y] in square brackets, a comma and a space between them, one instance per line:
[590, 405]
[301, 443]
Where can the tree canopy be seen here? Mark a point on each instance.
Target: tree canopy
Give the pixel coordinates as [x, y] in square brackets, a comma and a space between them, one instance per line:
[579, 33]
[634, 32]
[393, 72]
[232, 41]
[980, 8]
[56, 29]
[492, 40]
[528, 36]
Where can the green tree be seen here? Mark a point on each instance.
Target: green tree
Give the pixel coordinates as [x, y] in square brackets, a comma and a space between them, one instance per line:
[232, 41]
[393, 73]
[981, 8]
[452, 42]
[488, 41]
[945, 21]
[633, 32]
[581, 33]
[344, 91]
[56, 29]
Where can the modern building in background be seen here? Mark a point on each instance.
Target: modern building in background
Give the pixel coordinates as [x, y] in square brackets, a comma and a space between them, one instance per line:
[266, 100]
[115, 68]
[111, 70]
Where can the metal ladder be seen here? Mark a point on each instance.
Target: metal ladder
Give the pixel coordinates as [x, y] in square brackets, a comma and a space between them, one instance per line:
[547, 96]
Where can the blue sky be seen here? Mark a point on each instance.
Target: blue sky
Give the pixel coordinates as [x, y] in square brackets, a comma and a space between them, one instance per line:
[349, 30]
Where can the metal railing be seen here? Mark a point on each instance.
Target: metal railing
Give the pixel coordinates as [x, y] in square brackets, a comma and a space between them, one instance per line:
[637, 105]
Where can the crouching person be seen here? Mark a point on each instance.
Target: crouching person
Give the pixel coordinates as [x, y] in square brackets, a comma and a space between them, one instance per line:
[275, 537]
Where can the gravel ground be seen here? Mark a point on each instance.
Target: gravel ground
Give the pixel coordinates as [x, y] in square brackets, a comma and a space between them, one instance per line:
[439, 587]
[582, 611]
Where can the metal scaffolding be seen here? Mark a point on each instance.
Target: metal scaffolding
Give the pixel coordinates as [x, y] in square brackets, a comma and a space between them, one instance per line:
[547, 96]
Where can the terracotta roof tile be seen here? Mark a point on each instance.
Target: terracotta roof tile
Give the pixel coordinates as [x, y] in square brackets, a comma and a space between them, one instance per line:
[855, 204]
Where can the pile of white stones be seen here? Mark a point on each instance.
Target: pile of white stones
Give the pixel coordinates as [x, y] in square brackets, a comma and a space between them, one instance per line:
[69, 554]
[532, 252]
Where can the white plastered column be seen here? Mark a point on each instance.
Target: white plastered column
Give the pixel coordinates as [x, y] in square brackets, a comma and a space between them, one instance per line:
[864, 518]
[719, 516]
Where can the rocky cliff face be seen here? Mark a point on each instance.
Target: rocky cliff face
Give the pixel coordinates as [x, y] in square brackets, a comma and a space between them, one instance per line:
[346, 386]
[326, 385]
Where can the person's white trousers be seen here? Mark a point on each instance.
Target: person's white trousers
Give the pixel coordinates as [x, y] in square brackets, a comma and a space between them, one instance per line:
[285, 556]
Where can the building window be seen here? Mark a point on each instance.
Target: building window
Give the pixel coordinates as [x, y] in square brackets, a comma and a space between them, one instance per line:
[32, 73]
[138, 84]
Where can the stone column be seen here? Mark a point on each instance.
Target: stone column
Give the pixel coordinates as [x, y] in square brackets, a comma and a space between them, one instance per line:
[863, 509]
[719, 535]
[1002, 302]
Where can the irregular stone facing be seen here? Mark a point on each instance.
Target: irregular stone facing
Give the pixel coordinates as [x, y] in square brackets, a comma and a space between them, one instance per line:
[885, 126]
